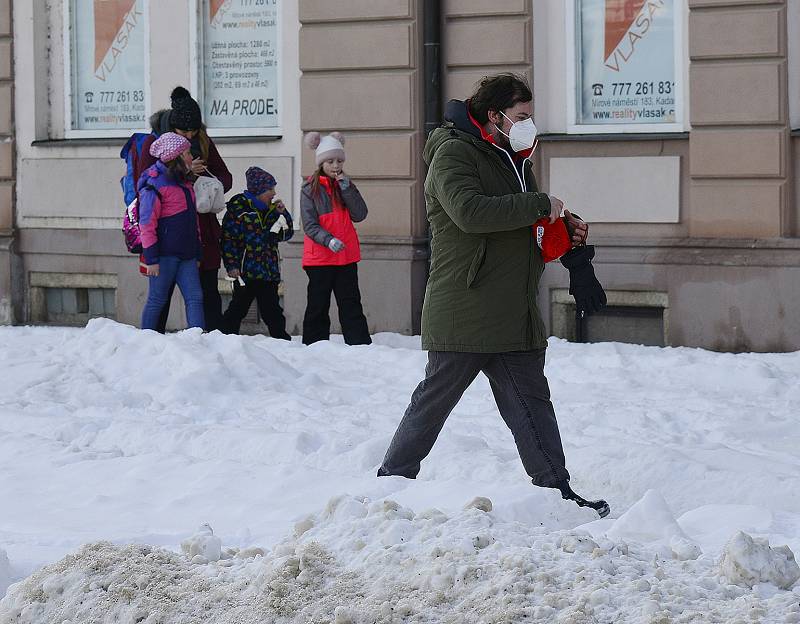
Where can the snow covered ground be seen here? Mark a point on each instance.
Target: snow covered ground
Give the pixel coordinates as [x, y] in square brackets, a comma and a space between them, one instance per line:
[209, 478]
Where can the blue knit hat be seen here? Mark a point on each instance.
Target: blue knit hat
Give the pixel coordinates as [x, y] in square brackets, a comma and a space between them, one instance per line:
[258, 180]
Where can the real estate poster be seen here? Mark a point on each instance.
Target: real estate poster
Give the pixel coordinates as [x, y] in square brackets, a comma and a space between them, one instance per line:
[108, 64]
[240, 63]
[626, 54]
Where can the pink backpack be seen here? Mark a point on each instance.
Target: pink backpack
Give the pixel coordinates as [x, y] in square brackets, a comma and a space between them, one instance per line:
[130, 224]
[130, 227]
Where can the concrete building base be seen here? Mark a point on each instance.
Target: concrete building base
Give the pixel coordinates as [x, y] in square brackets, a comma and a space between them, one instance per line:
[724, 295]
[392, 277]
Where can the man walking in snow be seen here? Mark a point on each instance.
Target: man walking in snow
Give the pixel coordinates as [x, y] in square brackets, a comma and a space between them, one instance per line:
[480, 312]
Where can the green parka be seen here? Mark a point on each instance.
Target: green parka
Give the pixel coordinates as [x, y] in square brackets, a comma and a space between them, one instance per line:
[485, 264]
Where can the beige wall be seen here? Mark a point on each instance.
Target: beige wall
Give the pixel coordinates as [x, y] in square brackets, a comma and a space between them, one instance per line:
[651, 187]
[481, 38]
[7, 166]
[739, 112]
[795, 182]
[361, 75]
[654, 222]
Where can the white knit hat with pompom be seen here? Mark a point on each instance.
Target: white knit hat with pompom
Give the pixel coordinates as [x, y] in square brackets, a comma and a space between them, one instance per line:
[327, 147]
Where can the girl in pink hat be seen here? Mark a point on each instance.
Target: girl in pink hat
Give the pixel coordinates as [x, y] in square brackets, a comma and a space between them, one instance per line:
[170, 230]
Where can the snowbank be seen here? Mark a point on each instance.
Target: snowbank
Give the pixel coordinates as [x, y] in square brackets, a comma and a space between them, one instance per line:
[111, 437]
[359, 562]
[6, 574]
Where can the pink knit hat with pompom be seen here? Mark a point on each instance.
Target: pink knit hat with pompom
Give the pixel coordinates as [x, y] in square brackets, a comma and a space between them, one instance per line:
[327, 147]
[169, 146]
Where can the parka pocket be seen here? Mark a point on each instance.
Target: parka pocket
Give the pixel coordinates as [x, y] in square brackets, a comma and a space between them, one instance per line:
[477, 262]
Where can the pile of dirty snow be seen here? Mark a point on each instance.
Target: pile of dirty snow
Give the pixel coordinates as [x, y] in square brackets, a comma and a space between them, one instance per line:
[359, 562]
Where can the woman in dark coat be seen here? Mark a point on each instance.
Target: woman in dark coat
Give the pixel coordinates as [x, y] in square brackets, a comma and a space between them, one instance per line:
[185, 118]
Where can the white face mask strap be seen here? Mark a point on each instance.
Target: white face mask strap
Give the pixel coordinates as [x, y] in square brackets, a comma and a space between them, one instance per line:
[498, 127]
[512, 125]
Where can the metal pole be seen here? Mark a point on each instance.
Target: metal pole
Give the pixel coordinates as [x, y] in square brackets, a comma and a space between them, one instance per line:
[432, 41]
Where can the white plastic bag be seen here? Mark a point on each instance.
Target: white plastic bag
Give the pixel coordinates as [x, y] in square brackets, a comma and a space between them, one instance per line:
[209, 195]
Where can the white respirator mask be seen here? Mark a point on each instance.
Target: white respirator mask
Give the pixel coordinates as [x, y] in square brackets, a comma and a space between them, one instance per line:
[522, 134]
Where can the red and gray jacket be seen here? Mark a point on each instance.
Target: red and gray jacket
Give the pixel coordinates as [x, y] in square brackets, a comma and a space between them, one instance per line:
[327, 214]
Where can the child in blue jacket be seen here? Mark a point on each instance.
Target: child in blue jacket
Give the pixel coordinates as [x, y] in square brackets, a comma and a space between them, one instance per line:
[254, 224]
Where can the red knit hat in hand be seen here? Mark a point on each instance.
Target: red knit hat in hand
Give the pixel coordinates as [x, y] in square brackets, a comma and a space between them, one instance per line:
[552, 238]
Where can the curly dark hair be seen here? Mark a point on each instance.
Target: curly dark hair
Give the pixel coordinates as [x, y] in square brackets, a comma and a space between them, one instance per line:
[498, 93]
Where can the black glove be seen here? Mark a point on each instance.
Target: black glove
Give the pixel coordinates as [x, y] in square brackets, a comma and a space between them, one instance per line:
[583, 285]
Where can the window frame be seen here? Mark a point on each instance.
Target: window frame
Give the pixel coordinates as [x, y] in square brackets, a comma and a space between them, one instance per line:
[681, 57]
[69, 44]
[196, 43]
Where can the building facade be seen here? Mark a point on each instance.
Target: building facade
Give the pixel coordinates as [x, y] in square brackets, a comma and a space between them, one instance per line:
[672, 126]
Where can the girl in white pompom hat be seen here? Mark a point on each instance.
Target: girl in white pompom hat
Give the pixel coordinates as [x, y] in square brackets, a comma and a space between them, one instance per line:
[330, 203]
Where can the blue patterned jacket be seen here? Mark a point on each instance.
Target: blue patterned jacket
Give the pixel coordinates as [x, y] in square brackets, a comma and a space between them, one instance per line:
[247, 243]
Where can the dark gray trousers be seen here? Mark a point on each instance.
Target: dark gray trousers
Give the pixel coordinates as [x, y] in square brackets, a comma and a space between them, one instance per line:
[522, 395]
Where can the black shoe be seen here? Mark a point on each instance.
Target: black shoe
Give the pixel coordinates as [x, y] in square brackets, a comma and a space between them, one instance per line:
[600, 506]
[383, 472]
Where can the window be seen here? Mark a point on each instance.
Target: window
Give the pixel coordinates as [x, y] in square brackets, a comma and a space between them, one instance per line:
[237, 65]
[105, 67]
[69, 306]
[626, 71]
[71, 298]
[638, 317]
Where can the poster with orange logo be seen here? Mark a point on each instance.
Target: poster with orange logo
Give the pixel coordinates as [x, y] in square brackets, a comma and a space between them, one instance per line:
[240, 64]
[626, 62]
[107, 64]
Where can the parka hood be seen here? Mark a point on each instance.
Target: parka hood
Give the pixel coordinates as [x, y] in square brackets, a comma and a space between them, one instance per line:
[458, 125]
[159, 121]
[457, 113]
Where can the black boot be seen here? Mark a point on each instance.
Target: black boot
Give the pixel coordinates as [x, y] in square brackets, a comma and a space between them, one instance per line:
[383, 472]
[600, 506]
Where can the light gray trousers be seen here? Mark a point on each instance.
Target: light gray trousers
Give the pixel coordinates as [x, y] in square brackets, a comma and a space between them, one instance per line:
[522, 395]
